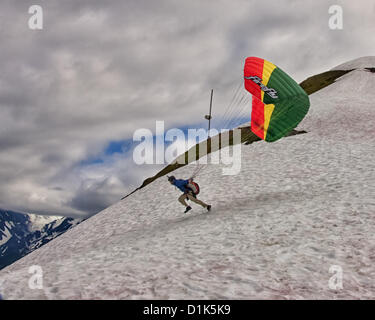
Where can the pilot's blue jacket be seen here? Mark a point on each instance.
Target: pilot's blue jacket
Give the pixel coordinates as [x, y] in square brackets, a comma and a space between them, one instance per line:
[182, 185]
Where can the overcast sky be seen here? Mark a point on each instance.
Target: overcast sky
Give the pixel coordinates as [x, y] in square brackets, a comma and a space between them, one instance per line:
[72, 94]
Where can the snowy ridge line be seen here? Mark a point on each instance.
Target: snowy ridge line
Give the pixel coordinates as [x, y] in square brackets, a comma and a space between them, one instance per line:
[357, 64]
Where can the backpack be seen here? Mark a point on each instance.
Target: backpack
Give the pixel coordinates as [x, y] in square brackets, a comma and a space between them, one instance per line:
[194, 187]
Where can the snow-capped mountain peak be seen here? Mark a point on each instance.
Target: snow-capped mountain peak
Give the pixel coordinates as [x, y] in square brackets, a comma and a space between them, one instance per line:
[37, 222]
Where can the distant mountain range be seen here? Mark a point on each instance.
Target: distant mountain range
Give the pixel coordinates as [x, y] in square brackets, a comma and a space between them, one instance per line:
[22, 233]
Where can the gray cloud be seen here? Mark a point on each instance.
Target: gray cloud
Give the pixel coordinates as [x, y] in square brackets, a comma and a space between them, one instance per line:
[93, 196]
[99, 70]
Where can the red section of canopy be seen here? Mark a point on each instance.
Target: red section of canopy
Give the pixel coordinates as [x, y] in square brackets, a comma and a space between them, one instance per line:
[253, 67]
[257, 118]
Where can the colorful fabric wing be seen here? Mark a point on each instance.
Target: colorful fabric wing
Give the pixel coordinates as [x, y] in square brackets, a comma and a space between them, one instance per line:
[279, 103]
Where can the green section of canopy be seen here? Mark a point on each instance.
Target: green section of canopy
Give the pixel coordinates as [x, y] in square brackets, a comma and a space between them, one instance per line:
[291, 106]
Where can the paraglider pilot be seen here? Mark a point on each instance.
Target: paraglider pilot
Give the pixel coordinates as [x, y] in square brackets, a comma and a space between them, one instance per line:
[186, 186]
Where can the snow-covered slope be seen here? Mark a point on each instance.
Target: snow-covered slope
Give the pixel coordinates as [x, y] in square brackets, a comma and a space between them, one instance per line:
[360, 63]
[299, 207]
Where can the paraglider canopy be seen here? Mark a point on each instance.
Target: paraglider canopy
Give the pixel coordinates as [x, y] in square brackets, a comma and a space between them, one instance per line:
[279, 103]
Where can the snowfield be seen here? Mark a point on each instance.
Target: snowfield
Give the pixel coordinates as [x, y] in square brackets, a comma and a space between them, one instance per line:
[300, 209]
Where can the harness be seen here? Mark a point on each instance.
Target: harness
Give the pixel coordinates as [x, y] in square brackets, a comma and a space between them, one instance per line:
[194, 187]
